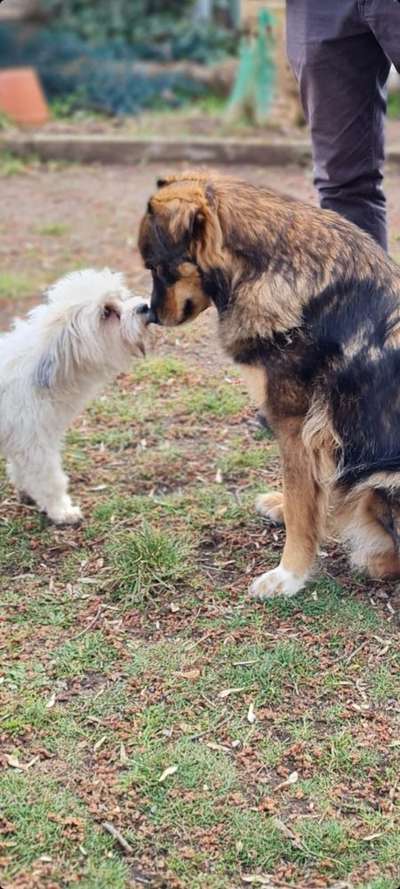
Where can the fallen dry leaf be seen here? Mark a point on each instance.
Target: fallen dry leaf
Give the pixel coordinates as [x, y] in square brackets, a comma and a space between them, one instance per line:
[14, 762]
[258, 879]
[230, 691]
[51, 701]
[213, 746]
[291, 779]
[191, 675]
[251, 716]
[123, 756]
[167, 772]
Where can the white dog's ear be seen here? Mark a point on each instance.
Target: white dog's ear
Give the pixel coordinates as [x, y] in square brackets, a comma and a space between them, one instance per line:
[55, 358]
[46, 371]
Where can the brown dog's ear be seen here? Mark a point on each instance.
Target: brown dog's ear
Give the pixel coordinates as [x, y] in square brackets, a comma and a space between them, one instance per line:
[187, 208]
[199, 176]
[207, 235]
[197, 225]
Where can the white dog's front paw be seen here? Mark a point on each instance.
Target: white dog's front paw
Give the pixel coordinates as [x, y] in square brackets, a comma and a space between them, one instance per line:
[275, 583]
[69, 515]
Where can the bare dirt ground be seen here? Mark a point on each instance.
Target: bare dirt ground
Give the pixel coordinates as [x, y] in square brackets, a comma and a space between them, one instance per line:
[157, 728]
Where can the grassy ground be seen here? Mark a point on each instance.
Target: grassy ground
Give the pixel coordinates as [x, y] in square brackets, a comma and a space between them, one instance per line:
[157, 728]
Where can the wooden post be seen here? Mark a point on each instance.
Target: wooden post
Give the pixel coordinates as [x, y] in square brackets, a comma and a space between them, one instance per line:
[287, 107]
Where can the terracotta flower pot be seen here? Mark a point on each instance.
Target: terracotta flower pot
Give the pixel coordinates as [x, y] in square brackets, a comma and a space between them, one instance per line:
[21, 96]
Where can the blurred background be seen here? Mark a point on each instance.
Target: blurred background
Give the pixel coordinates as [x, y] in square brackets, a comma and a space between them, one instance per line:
[195, 66]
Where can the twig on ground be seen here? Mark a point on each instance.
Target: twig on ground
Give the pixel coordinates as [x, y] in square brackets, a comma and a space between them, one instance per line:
[89, 625]
[117, 835]
[209, 731]
[199, 641]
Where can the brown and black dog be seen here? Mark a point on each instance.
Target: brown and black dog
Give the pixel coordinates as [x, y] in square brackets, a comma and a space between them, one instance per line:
[309, 308]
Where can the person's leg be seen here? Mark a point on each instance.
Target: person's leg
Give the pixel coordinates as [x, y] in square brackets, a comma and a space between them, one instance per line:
[383, 17]
[342, 72]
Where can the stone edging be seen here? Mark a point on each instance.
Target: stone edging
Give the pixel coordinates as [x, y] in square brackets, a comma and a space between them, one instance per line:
[105, 149]
[101, 148]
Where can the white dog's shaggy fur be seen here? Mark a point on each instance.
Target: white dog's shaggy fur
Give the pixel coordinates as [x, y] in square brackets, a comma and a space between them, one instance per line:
[51, 364]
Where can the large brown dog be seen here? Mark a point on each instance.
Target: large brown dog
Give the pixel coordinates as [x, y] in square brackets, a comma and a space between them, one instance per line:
[309, 308]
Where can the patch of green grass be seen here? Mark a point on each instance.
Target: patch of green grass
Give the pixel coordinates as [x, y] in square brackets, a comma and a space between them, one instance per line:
[114, 701]
[154, 657]
[267, 671]
[40, 610]
[197, 766]
[29, 714]
[344, 755]
[271, 752]
[211, 104]
[17, 676]
[124, 408]
[393, 105]
[326, 599]
[382, 883]
[113, 439]
[385, 684]
[159, 368]
[224, 400]
[118, 507]
[105, 874]
[199, 508]
[65, 106]
[146, 561]
[16, 535]
[167, 460]
[242, 458]
[389, 847]
[5, 122]
[92, 652]
[12, 165]
[188, 871]
[47, 820]
[261, 843]
[72, 565]
[76, 451]
[53, 229]
[212, 505]
[331, 840]
[16, 285]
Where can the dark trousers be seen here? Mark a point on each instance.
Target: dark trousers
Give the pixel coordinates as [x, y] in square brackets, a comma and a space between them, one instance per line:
[340, 52]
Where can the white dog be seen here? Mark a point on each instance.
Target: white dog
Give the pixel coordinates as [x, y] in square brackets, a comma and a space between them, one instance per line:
[51, 364]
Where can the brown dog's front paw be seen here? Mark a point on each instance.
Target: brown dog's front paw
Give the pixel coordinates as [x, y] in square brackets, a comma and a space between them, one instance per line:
[276, 583]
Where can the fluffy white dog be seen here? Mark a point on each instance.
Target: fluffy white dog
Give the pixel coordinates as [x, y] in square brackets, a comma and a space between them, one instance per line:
[51, 364]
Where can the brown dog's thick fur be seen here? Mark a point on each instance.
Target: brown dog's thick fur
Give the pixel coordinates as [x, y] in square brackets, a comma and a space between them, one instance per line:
[309, 308]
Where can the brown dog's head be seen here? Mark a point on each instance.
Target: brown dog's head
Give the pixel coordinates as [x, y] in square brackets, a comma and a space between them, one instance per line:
[180, 240]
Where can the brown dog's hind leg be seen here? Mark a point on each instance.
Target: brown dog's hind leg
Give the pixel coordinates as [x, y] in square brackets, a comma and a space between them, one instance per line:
[366, 523]
[271, 506]
[304, 508]
[385, 565]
